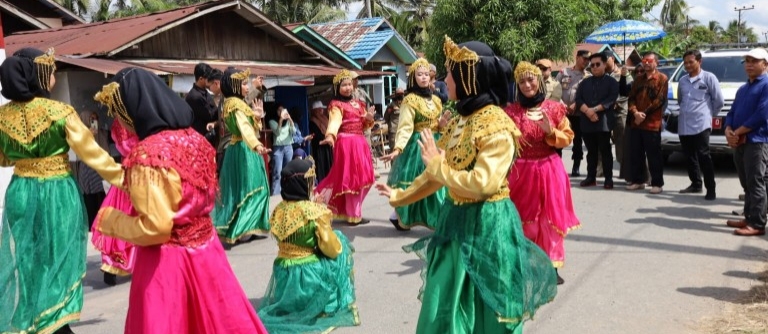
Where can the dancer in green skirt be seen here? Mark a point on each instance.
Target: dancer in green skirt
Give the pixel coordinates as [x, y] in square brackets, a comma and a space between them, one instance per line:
[43, 232]
[243, 209]
[312, 288]
[420, 110]
[482, 275]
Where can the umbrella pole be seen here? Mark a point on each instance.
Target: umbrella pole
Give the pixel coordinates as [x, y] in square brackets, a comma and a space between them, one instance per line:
[625, 48]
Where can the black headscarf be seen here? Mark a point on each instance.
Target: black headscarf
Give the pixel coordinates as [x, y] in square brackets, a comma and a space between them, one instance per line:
[230, 86]
[296, 180]
[491, 76]
[150, 103]
[20, 76]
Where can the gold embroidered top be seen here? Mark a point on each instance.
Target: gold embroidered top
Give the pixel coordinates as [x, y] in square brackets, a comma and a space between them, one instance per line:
[416, 113]
[300, 226]
[36, 134]
[241, 122]
[479, 150]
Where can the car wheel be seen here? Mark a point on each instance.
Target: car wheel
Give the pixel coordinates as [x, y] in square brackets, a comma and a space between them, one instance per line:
[665, 156]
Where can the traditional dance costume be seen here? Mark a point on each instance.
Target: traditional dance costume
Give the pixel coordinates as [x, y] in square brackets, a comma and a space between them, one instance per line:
[312, 287]
[351, 176]
[43, 235]
[482, 274]
[117, 256]
[419, 110]
[182, 281]
[243, 208]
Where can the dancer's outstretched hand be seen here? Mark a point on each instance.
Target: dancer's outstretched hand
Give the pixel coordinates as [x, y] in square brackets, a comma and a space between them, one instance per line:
[428, 147]
[384, 190]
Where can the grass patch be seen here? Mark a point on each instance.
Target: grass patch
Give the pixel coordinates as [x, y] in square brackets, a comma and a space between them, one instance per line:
[749, 314]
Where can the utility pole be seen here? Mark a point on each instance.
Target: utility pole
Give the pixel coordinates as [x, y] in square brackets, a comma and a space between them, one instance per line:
[738, 25]
[765, 33]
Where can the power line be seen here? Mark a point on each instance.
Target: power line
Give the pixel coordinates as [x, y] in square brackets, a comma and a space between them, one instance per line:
[738, 24]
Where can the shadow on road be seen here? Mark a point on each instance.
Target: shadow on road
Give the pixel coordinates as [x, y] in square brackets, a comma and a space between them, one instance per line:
[379, 229]
[255, 302]
[744, 252]
[86, 322]
[413, 266]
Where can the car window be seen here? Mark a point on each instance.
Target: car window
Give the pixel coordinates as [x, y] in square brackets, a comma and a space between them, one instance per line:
[726, 69]
[667, 70]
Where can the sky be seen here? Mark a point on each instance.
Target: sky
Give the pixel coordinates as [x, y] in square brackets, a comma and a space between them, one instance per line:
[722, 11]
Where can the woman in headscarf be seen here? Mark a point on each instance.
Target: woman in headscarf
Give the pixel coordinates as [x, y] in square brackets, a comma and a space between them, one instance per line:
[117, 256]
[182, 281]
[323, 154]
[419, 110]
[482, 274]
[44, 230]
[351, 175]
[243, 209]
[538, 183]
[312, 286]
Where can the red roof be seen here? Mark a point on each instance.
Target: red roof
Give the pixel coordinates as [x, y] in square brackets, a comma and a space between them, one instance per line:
[97, 38]
[343, 34]
[106, 66]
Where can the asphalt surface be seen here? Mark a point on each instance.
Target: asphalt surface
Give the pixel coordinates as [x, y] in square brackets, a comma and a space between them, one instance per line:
[641, 263]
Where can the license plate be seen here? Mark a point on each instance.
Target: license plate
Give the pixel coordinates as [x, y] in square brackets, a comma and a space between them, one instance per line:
[717, 123]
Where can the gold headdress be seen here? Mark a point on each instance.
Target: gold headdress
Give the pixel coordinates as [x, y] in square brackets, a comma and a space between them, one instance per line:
[462, 55]
[525, 69]
[46, 65]
[420, 63]
[236, 79]
[343, 75]
[109, 95]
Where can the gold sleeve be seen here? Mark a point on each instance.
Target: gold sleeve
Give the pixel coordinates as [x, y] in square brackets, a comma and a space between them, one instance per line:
[155, 194]
[404, 127]
[327, 241]
[81, 140]
[494, 157]
[334, 122]
[561, 136]
[420, 188]
[247, 130]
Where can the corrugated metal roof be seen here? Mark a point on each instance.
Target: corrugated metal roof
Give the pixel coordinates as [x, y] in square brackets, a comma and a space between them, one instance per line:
[97, 38]
[371, 43]
[265, 69]
[106, 66]
[363, 38]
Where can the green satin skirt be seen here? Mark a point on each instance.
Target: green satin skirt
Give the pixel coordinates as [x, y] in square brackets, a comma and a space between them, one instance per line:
[314, 294]
[243, 207]
[481, 274]
[42, 255]
[405, 169]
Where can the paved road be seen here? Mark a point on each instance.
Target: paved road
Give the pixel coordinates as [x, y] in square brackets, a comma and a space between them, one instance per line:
[641, 264]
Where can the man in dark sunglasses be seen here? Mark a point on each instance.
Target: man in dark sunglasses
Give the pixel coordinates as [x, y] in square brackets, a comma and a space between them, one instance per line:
[595, 97]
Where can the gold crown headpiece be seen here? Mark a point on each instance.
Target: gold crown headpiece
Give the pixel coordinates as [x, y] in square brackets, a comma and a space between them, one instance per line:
[455, 55]
[236, 80]
[343, 75]
[109, 95]
[419, 63]
[46, 65]
[525, 69]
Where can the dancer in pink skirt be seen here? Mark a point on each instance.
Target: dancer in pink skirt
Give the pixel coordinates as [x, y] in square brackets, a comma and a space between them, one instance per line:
[117, 256]
[538, 183]
[351, 176]
[182, 281]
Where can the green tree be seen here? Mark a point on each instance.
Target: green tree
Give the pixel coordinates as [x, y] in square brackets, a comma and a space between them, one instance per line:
[290, 11]
[673, 12]
[731, 33]
[702, 35]
[79, 7]
[411, 18]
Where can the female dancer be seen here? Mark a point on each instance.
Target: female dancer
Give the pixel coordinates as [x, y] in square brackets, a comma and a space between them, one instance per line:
[243, 209]
[351, 175]
[117, 256]
[419, 110]
[482, 274]
[182, 282]
[538, 184]
[43, 235]
[312, 288]
[323, 154]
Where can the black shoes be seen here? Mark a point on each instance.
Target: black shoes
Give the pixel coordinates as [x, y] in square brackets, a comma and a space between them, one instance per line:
[397, 225]
[608, 185]
[575, 171]
[109, 279]
[691, 190]
[64, 330]
[588, 183]
[710, 196]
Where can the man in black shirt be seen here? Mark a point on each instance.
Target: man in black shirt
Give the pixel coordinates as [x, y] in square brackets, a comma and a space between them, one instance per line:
[201, 101]
[595, 101]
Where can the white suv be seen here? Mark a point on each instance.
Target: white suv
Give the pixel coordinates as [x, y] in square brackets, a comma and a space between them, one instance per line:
[727, 67]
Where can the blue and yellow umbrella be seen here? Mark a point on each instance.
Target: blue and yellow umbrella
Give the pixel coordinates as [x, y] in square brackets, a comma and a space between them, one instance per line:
[625, 31]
